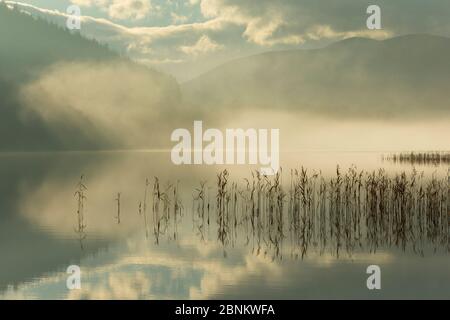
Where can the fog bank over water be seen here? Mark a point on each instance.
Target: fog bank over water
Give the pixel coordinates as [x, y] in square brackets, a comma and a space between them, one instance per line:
[104, 103]
[300, 131]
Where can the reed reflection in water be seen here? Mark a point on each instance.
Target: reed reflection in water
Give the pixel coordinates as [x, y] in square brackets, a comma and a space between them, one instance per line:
[352, 210]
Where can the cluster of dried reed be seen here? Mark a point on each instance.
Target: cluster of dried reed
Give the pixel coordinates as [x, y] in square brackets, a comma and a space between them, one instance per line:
[348, 211]
[351, 210]
[420, 158]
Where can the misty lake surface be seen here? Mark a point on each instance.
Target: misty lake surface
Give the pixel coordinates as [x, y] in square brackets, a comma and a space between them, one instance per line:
[179, 246]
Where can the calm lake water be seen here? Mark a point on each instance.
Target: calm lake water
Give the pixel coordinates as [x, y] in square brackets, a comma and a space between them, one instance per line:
[187, 250]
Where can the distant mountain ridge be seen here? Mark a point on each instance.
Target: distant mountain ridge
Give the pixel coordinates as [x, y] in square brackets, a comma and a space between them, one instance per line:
[402, 76]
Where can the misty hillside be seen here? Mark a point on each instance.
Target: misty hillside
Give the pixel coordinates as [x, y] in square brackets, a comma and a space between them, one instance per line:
[53, 80]
[403, 76]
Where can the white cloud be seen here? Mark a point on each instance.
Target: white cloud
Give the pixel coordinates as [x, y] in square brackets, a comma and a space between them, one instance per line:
[261, 32]
[129, 9]
[176, 18]
[152, 62]
[119, 9]
[326, 32]
[291, 22]
[203, 45]
[90, 3]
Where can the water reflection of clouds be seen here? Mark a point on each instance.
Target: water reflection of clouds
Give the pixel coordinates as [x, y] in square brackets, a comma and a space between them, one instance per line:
[140, 270]
[186, 267]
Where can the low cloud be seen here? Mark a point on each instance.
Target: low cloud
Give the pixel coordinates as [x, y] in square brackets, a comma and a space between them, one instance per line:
[202, 46]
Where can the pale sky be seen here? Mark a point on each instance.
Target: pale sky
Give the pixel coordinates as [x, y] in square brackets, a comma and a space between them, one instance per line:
[188, 37]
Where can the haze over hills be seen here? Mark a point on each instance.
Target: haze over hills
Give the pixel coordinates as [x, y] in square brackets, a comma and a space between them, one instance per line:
[60, 91]
[405, 76]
